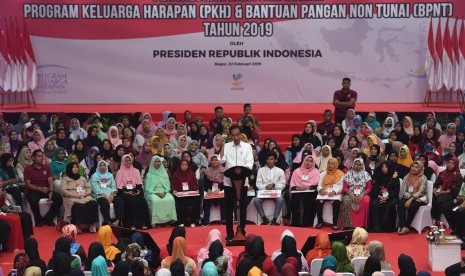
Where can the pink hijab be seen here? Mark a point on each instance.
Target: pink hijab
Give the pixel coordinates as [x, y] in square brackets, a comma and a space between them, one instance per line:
[153, 127]
[33, 145]
[214, 235]
[170, 133]
[313, 175]
[127, 175]
[298, 157]
[114, 141]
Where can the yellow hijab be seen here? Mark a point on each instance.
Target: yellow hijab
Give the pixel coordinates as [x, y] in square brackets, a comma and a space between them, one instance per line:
[332, 176]
[407, 161]
[104, 237]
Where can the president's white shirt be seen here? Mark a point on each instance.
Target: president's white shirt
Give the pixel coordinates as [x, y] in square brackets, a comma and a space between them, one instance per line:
[240, 155]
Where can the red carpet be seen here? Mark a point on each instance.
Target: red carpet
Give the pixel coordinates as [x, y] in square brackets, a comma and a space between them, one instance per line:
[412, 244]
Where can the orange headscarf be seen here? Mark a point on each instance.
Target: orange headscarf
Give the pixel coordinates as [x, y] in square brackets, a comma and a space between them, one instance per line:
[179, 252]
[332, 176]
[321, 249]
[104, 237]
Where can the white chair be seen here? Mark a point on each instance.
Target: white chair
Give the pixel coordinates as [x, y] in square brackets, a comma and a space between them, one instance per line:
[77, 257]
[49, 271]
[303, 273]
[358, 262]
[433, 178]
[315, 267]
[252, 214]
[100, 217]
[87, 273]
[327, 213]
[215, 213]
[423, 216]
[462, 171]
[347, 274]
[268, 208]
[388, 273]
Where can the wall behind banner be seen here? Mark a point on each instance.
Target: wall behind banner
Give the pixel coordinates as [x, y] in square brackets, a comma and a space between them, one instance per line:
[185, 60]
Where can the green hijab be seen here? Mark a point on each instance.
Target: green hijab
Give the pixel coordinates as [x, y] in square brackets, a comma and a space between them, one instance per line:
[343, 263]
[154, 175]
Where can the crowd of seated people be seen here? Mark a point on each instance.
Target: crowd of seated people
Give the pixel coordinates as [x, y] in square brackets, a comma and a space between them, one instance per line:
[375, 175]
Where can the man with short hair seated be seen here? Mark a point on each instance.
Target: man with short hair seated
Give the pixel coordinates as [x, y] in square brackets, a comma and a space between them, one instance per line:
[39, 184]
[270, 177]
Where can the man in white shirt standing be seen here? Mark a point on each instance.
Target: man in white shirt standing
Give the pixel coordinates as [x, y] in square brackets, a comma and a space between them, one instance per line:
[270, 177]
[235, 153]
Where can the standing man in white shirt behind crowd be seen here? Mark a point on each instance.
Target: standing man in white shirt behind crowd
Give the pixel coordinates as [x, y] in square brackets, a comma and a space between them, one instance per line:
[270, 177]
[235, 153]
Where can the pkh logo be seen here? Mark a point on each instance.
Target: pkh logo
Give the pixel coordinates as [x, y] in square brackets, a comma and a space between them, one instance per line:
[52, 78]
[237, 82]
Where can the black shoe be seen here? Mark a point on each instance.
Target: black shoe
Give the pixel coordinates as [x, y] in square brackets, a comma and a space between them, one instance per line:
[319, 225]
[39, 224]
[274, 222]
[205, 223]
[265, 221]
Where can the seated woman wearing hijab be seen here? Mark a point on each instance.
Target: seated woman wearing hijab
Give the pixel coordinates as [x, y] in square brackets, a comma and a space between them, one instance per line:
[257, 256]
[80, 208]
[406, 266]
[304, 183]
[356, 199]
[63, 245]
[329, 190]
[70, 232]
[214, 235]
[179, 252]
[414, 195]
[105, 235]
[446, 189]
[384, 198]
[321, 249]
[288, 250]
[157, 187]
[358, 245]
[213, 184]
[343, 262]
[376, 249]
[104, 191]
[129, 183]
[187, 208]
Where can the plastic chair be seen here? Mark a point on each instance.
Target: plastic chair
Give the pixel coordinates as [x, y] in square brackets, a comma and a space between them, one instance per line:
[358, 262]
[422, 218]
[347, 274]
[315, 267]
[327, 213]
[304, 273]
[87, 273]
[388, 273]
[49, 271]
[77, 257]
[268, 208]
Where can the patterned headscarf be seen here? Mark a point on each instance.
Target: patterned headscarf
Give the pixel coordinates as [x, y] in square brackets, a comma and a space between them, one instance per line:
[69, 231]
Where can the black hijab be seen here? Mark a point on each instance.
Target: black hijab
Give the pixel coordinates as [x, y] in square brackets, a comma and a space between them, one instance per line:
[69, 171]
[382, 179]
[178, 231]
[339, 139]
[122, 268]
[256, 253]
[31, 248]
[406, 266]
[244, 266]
[92, 141]
[294, 150]
[61, 264]
[372, 264]
[81, 154]
[214, 251]
[3, 161]
[106, 154]
[288, 249]
[95, 249]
